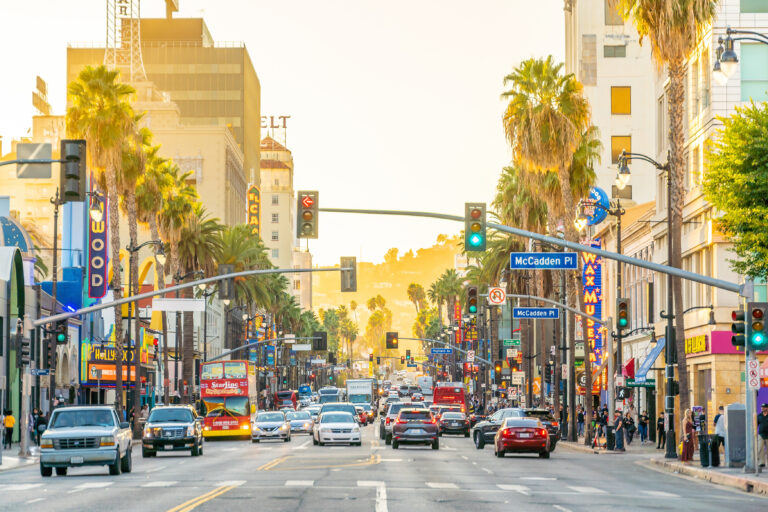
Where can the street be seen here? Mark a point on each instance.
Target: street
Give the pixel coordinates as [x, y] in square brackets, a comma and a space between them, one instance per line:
[239, 475]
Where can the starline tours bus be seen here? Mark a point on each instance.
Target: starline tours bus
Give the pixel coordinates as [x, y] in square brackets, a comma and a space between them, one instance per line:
[228, 391]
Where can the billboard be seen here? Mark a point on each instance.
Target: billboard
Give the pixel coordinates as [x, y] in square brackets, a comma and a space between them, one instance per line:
[97, 253]
[591, 280]
[254, 209]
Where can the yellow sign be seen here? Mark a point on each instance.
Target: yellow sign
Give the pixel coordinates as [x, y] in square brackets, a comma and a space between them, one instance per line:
[696, 344]
[254, 208]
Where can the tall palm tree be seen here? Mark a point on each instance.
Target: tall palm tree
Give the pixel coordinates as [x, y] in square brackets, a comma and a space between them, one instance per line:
[673, 27]
[435, 295]
[416, 295]
[100, 112]
[452, 286]
[246, 252]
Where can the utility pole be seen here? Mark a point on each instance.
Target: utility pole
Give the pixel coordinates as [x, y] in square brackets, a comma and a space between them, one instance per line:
[56, 201]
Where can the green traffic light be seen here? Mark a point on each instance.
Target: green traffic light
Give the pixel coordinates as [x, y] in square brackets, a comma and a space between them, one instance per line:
[473, 309]
[61, 338]
[623, 322]
[475, 240]
[758, 339]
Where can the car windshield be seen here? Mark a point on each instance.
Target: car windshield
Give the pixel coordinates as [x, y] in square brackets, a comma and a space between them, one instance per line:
[453, 416]
[83, 418]
[511, 413]
[175, 414]
[231, 406]
[338, 407]
[337, 417]
[522, 422]
[415, 415]
[542, 415]
[271, 416]
[297, 416]
[366, 407]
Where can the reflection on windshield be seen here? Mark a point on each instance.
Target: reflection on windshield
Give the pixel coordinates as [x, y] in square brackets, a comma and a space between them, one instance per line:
[65, 419]
[337, 417]
[231, 406]
[159, 415]
[212, 371]
[270, 416]
[234, 370]
[297, 416]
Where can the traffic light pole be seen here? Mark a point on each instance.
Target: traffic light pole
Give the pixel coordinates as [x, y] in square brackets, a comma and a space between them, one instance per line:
[56, 201]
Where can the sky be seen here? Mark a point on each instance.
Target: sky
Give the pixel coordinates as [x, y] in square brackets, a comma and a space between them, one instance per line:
[393, 105]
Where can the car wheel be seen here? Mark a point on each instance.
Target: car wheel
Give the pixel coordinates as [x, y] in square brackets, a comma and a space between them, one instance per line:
[436, 444]
[61, 471]
[45, 470]
[395, 444]
[314, 441]
[147, 453]
[321, 443]
[552, 448]
[479, 441]
[359, 443]
[466, 434]
[195, 451]
[544, 455]
[500, 454]
[287, 439]
[200, 446]
[126, 463]
[114, 469]
[388, 439]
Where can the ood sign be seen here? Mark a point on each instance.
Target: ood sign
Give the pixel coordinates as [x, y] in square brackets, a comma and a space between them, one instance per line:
[97, 256]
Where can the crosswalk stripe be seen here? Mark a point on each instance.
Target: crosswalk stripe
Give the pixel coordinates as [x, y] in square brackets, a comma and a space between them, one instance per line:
[18, 487]
[299, 483]
[516, 488]
[587, 490]
[661, 494]
[90, 485]
[230, 483]
[442, 485]
[160, 483]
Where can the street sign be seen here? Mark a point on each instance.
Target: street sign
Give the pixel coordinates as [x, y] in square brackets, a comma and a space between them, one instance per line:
[645, 383]
[412, 365]
[511, 343]
[497, 296]
[40, 371]
[317, 361]
[33, 151]
[470, 356]
[753, 374]
[511, 353]
[442, 351]
[289, 338]
[543, 260]
[301, 347]
[273, 382]
[540, 313]
[517, 378]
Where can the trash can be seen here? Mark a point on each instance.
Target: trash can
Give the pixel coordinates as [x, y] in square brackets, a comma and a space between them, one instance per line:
[704, 447]
[610, 437]
[714, 452]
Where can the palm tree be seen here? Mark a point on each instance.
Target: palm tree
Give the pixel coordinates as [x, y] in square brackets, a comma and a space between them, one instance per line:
[435, 295]
[416, 295]
[100, 113]
[246, 252]
[452, 285]
[673, 27]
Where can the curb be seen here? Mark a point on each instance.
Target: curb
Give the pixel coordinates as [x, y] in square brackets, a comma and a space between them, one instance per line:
[577, 447]
[715, 477]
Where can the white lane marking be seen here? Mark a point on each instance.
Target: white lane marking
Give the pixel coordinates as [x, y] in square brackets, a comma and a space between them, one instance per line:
[487, 470]
[587, 490]
[537, 478]
[391, 460]
[299, 483]
[34, 501]
[229, 449]
[449, 448]
[161, 483]
[18, 487]
[230, 483]
[442, 485]
[561, 508]
[90, 485]
[516, 488]
[302, 446]
[377, 448]
[661, 494]
[465, 457]
[158, 468]
[381, 493]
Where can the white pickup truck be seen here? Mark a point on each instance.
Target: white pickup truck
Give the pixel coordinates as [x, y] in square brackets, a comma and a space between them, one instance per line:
[85, 436]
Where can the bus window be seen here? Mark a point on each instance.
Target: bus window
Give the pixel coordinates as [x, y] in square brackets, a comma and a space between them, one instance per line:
[235, 370]
[212, 371]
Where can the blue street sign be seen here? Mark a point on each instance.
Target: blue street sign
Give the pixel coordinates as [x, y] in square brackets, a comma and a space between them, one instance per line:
[522, 313]
[40, 371]
[412, 365]
[442, 351]
[543, 260]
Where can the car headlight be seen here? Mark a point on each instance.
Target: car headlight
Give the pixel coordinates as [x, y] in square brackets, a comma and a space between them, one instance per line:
[107, 441]
[355, 429]
[46, 443]
[147, 432]
[191, 430]
[325, 429]
[283, 426]
[307, 425]
[256, 428]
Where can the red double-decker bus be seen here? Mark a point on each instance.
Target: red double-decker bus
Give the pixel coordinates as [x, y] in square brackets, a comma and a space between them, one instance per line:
[451, 393]
[228, 391]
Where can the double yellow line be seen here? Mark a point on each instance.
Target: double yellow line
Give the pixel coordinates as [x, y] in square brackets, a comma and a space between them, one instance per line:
[195, 502]
[271, 464]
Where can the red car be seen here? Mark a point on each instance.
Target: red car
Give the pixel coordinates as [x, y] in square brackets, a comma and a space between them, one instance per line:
[522, 435]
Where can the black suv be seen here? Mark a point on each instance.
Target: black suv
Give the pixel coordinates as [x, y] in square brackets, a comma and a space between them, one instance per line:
[484, 431]
[172, 428]
[549, 421]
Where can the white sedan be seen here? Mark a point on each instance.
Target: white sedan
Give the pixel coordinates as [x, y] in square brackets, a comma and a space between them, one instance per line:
[336, 427]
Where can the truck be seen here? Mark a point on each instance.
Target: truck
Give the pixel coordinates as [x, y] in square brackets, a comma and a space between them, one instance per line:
[425, 384]
[360, 391]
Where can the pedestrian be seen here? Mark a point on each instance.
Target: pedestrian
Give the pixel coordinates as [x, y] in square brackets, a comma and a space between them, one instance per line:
[31, 425]
[762, 433]
[686, 454]
[642, 426]
[661, 434]
[629, 427]
[719, 428]
[39, 420]
[8, 423]
[618, 424]
[580, 421]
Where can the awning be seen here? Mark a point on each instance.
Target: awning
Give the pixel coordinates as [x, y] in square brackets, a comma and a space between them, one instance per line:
[642, 370]
[629, 369]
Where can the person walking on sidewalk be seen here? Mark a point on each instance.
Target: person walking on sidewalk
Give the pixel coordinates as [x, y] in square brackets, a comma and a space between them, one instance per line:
[629, 427]
[8, 423]
[642, 426]
[618, 423]
[661, 434]
[686, 455]
[719, 428]
[762, 435]
[580, 421]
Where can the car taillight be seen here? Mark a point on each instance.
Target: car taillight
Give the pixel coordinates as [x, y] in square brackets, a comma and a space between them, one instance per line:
[401, 422]
[543, 432]
[506, 432]
[432, 421]
[555, 424]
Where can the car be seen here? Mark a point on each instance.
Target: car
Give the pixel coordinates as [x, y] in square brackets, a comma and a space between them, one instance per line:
[550, 423]
[484, 432]
[417, 397]
[336, 427]
[313, 411]
[427, 402]
[393, 394]
[85, 436]
[453, 423]
[270, 425]
[521, 435]
[385, 422]
[172, 428]
[368, 414]
[413, 389]
[360, 415]
[474, 419]
[415, 426]
[341, 407]
[403, 390]
[301, 422]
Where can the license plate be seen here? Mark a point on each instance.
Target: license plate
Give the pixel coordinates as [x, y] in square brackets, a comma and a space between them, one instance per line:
[76, 460]
[525, 435]
[169, 447]
[416, 431]
[455, 424]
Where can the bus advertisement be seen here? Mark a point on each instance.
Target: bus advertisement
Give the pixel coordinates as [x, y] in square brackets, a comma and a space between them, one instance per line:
[228, 391]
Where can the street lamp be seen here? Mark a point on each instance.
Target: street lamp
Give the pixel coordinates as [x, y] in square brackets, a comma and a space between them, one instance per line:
[96, 207]
[622, 178]
[727, 61]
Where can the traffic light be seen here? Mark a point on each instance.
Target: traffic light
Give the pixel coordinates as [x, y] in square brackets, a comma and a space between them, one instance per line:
[62, 336]
[319, 340]
[408, 354]
[226, 286]
[402, 359]
[72, 175]
[23, 345]
[349, 277]
[392, 340]
[738, 328]
[548, 373]
[758, 332]
[330, 377]
[285, 380]
[156, 344]
[497, 366]
[474, 227]
[370, 358]
[378, 360]
[50, 352]
[472, 300]
[622, 314]
[332, 357]
[306, 227]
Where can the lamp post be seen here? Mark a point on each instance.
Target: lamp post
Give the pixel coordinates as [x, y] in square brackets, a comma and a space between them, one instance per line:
[176, 378]
[727, 61]
[135, 395]
[670, 349]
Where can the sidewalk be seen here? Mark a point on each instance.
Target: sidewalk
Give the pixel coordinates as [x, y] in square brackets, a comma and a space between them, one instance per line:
[651, 457]
[11, 459]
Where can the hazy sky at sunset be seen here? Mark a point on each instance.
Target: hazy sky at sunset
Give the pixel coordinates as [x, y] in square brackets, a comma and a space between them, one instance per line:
[393, 104]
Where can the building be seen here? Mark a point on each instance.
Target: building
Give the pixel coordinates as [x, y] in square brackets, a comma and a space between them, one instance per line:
[605, 55]
[278, 205]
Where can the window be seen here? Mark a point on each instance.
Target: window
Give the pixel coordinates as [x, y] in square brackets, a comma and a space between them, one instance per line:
[754, 72]
[661, 131]
[275, 199]
[612, 16]
[621, 100]
[275, 236]
[297, 284]
[754, 6]
[619, 143]
[275, 218]
[706, 80]
[277, 182]
[695, 175]
[694, 88]
[614, 51]
[275, 253]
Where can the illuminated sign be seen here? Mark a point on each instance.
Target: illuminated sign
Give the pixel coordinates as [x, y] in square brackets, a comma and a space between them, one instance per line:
[254, 209]
[591, 280]
[696, 344]
[97, 253]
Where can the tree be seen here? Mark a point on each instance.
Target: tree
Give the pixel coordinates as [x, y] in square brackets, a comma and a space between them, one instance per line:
[674, 28]
[737, 185]
[100, 113]
[416, 295]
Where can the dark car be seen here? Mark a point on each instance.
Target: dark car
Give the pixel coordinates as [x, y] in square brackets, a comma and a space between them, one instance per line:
[415, 426]
[388, 419]
[474, 419]
[454, 423]
[550, 423]
[522, 435]
[172, 428]
[484, 431]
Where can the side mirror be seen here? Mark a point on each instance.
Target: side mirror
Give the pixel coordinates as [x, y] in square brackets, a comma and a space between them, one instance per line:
[200, 418]
[41, 427]
[125, 424]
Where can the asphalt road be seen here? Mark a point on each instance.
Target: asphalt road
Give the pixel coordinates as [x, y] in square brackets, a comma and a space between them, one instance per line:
[277, 476]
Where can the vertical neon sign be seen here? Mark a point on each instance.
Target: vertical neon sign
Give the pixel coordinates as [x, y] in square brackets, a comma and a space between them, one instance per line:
[591, 280]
